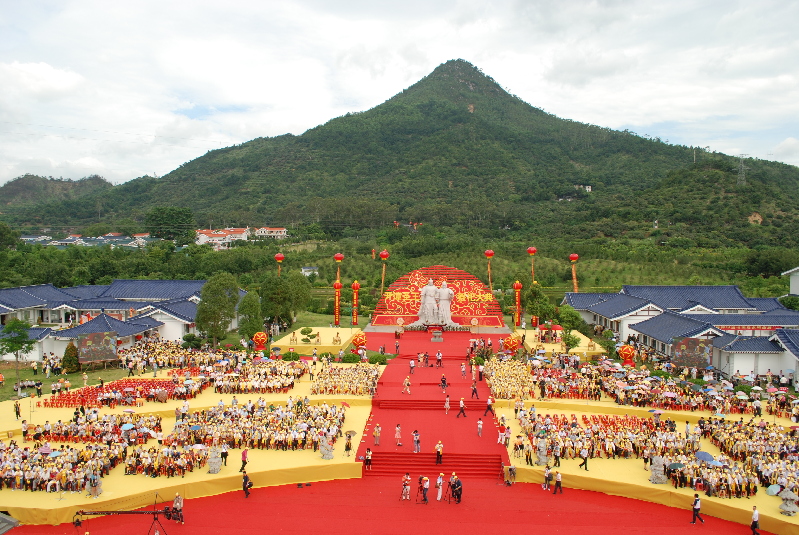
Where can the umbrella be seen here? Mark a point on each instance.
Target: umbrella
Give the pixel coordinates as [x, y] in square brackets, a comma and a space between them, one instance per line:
[129, 389]
[194, 427]
[696, 387]
[704, 456]
[630, 387]
[188, 381]
[773, 490]
[794, 402]
[199, 446]
[719, 415]
[658, 412]
[127, 427]
[129, 410]
[675, 466]
[772, 389]
[728, 388]
[656, 378]
[144, 430]
[669, 395]
[709, 390]
[153, 433]
[618, 375]
[756, 388]
[55, 454]
[713, 382]
[709, 368]
[789, 371]
[716, 463]
[352, 433]
[670, 383]
[45, 449]
[652, 410]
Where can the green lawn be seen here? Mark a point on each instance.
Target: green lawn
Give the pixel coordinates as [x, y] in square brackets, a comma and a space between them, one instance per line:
[25, 373]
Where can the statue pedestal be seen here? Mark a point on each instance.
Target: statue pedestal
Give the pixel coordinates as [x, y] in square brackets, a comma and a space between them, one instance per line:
[437, 337]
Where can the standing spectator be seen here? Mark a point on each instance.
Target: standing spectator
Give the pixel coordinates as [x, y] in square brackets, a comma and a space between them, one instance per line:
[558, 483]
[376, 434]
[479, 427]
[417, 442]
[244, 460]
[439, 453]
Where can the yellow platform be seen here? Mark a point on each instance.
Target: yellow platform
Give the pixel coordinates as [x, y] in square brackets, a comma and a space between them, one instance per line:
[327, 336]
[584, 350]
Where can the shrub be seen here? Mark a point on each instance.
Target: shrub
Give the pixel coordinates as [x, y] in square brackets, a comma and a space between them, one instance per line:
[70, 360]
[291, 355]
[305, 331]
[351, 357]
[378, 359]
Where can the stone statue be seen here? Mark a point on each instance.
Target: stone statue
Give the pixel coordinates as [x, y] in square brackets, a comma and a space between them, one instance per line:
[428, 308]
[541, 452]
[445, 296]
[658, 469]
[326, 448]
[788, 506]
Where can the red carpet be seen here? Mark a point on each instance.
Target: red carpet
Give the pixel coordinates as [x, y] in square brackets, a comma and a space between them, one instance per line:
[372, 505]
[455, 343]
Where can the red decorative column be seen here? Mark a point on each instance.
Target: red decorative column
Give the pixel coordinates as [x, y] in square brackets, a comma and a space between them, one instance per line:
[355, 287]
[517, 287]
[279, 259]
[489, 255]
[531, 251]
[383, 256]
[573, 258]
[337, 304]
[338, 257]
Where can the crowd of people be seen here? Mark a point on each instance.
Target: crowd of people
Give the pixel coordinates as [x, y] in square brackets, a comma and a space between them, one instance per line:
[90, 426]
[167, 461]
[266, 377]
[296, 425]
[64, 469]
[360, 380]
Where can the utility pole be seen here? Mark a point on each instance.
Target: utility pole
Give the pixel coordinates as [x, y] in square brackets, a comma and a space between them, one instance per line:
[742, 170]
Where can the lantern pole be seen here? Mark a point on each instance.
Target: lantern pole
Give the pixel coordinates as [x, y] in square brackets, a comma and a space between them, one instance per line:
[489, 254]
[517, 287]
[383, 256]
[573, 258]
[279, 257]
[355, 288]
[337, 304]
[531, 251]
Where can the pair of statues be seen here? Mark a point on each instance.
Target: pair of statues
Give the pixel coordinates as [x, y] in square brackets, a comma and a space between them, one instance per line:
[435, 304]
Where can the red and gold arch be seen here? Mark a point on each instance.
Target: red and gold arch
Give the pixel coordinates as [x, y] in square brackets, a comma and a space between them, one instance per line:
[472, 305]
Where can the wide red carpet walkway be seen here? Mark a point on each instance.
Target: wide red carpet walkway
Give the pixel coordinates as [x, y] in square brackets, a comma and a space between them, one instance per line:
[371, 505]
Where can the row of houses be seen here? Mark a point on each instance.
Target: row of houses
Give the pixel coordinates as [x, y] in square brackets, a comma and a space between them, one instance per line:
[222, 238]
[741, 334]
[131, 308]
[114, 239]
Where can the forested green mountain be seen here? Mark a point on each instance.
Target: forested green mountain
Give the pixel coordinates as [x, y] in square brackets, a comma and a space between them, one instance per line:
[456, 150]
[32, 189]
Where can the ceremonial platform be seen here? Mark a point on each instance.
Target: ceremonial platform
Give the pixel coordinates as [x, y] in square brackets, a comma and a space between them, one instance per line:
[328, 340]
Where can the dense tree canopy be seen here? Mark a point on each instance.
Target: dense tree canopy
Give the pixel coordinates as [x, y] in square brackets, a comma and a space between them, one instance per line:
[217, 307]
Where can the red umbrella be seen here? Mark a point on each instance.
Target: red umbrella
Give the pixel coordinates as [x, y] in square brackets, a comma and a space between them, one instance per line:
[557, 328]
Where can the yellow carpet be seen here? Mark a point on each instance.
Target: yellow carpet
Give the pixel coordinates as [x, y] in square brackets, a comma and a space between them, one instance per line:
[326, 335]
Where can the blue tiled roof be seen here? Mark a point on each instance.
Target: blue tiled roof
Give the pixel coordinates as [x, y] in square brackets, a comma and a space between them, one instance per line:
[104, 303]
[747, 344]
[35, 333]
[5, 310]
[86, 291]
[31, 296]
[581, 301]
[618, 305]
[105, 323]
[789, 338]
[682, 297]
[145, 320]
[667, 326]
[789, 319]
[767, 304]
[153, 290]
[182, 309]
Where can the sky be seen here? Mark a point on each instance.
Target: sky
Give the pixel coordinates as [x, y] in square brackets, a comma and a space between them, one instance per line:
[126, 89]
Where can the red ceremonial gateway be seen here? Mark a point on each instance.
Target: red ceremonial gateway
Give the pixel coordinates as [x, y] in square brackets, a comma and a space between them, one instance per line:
[472, 305]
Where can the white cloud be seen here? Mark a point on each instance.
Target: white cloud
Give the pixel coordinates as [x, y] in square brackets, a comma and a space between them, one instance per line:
[131, 88]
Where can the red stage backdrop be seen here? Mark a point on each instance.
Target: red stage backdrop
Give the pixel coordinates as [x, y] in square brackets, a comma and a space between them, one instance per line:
[473, 303]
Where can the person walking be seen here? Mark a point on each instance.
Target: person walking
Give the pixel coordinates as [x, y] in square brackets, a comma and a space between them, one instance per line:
[417, 443]
[367, 459]
[489, 406]
[376, 434]
[584, 456]
[474, 390]
[462, 410]
[246, 484]
[17, 409]
[463, 370]
[224, 453]
[695, 507]
[348, 445]
[407, 385]
[439, 359]
[398, 435]
[244, 459]
[558, 483]
[412, 365]
[439, 453]
[479, 427]
[755, 520]
[446, 405]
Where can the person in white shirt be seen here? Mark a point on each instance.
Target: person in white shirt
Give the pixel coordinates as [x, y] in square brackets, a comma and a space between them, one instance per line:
[755, 520]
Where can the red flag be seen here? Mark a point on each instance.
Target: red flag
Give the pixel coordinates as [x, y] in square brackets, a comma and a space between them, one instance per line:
[345, 404]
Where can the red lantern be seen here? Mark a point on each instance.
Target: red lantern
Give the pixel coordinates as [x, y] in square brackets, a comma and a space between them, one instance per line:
[338, 257]
[384, 255]
[489, 254]
[355, 286]
[279, 259]
[337, 285]
[531, 251]
[574, 257]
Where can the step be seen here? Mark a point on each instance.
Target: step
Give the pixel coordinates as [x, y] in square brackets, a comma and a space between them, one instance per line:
[463, 464]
